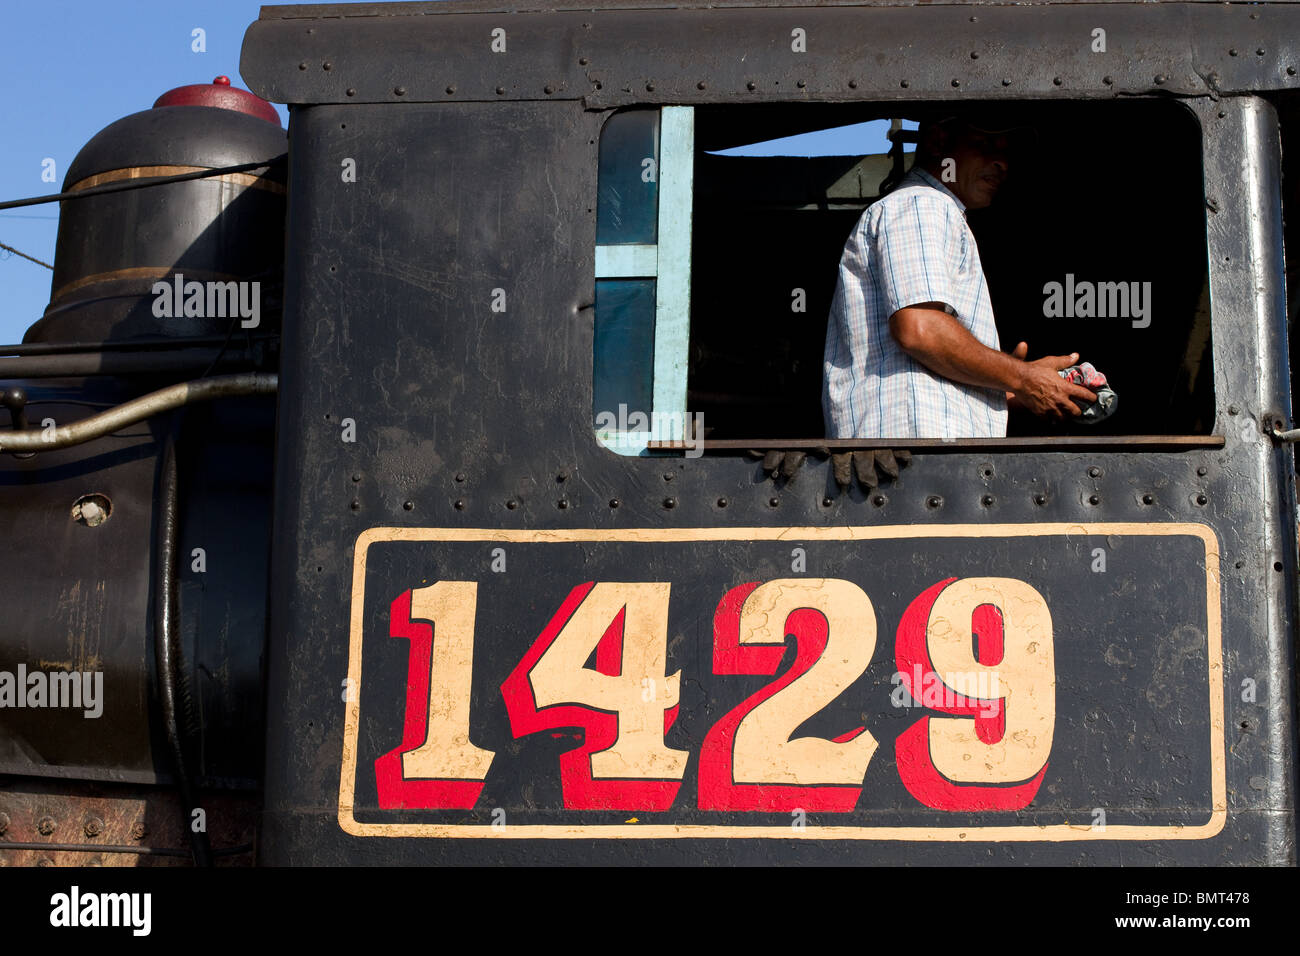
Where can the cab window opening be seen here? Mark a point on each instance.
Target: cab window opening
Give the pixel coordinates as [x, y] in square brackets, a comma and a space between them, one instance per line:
[1096, 244]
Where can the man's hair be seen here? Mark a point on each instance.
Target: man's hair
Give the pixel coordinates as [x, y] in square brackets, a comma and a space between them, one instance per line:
[928, 134]
[932, 130]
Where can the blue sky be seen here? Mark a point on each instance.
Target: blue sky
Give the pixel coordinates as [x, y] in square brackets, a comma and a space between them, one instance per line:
[68, 68]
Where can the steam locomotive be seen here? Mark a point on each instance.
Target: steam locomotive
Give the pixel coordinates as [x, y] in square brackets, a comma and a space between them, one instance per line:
[393, 490]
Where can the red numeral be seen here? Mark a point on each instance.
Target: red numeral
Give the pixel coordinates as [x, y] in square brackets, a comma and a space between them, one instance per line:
[1004, 692]
[625, 706]
[749, 753]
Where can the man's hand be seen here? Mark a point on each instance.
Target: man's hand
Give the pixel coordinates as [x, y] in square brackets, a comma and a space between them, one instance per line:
[946, 347]
[1043, 392]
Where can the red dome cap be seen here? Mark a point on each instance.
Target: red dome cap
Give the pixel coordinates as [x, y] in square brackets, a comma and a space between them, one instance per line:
[221, 95]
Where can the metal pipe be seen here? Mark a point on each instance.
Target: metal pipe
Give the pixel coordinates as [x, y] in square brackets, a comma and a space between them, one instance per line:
[131, 345]
[83, 364]
[167, 641]
[138, 409]
[119, 848]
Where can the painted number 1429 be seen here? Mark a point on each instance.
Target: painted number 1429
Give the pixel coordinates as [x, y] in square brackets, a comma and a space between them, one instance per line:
[986, 753]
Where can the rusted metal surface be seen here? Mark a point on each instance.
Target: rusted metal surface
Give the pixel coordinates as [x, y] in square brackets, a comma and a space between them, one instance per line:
[56, 823]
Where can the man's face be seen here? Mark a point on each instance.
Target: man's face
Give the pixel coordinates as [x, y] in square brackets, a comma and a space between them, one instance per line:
[981, 165]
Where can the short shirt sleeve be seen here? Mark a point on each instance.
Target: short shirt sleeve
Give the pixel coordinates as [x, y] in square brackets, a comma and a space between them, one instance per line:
[914, 251]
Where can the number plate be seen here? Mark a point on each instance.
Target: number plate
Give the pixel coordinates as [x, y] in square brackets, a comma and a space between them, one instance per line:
[962, 682]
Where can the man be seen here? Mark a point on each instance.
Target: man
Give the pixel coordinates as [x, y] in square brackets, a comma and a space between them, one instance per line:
[911, 347]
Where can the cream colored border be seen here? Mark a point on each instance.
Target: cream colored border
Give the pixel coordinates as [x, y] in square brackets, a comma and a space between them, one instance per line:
[1013, 834]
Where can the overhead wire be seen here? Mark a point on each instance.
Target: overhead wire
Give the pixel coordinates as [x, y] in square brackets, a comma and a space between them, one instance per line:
[141, 183]
[18, 252]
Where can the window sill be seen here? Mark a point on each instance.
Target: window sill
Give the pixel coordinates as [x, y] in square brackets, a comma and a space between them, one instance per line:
[1036, 444]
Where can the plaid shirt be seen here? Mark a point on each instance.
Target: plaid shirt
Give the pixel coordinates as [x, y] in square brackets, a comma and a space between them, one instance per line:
[910, 247]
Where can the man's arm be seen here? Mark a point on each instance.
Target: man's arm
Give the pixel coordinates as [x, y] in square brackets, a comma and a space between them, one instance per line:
[947, 348]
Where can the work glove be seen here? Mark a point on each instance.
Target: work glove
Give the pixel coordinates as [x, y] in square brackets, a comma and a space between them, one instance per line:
[785, 464]
[867, 465]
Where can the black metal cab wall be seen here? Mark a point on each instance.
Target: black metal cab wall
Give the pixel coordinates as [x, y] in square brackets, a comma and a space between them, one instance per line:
[510, 623]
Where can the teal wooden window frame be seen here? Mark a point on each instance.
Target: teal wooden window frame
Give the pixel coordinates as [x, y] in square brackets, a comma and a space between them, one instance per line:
[667, 262]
